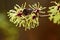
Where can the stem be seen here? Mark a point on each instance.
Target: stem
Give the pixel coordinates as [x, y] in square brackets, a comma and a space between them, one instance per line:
[44, 15]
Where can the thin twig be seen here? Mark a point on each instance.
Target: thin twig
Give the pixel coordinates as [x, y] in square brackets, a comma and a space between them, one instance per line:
[44, 15]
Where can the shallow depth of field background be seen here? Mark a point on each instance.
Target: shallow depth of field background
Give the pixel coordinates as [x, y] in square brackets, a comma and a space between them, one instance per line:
[47, 30]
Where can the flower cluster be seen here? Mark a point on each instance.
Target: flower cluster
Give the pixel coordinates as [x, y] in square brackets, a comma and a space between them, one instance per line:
[55, 13]
[25, 17]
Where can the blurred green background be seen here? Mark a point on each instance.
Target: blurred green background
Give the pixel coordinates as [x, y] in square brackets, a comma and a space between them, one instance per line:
[47, 30]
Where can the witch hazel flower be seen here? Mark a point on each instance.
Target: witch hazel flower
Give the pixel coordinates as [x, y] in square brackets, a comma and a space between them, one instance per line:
[37, 8]
[16, 15]
[54, 12]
